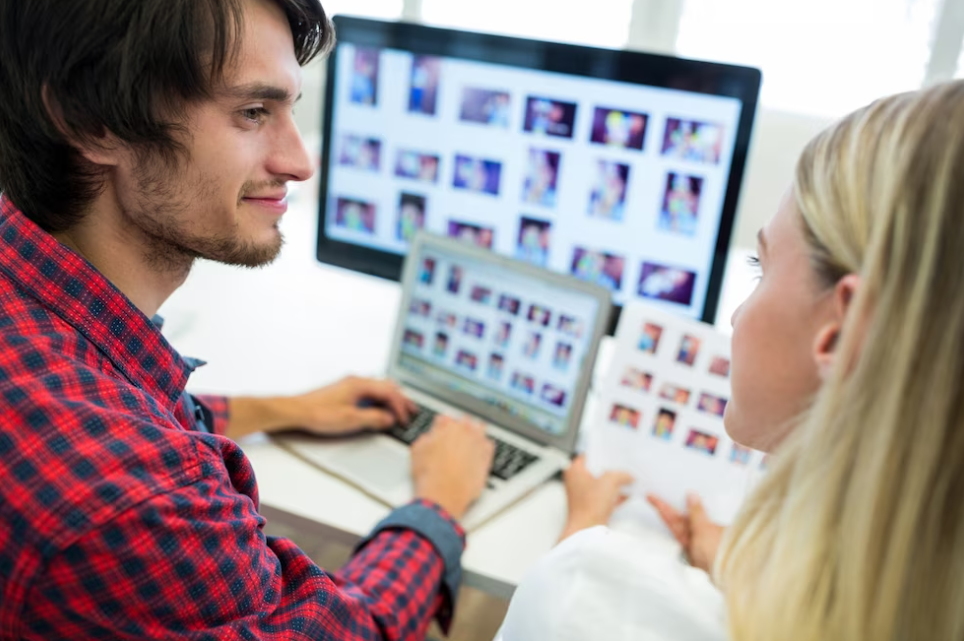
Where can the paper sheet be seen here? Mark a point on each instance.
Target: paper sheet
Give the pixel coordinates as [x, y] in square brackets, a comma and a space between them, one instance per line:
[660, 414]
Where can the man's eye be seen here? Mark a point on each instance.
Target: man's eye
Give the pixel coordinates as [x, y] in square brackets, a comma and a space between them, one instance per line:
[254, 114]
[754, 262]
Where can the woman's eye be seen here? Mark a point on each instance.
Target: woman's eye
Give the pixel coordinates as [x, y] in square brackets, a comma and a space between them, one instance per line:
[754, 262]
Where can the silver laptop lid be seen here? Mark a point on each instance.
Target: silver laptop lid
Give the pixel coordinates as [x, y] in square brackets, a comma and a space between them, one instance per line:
[507, 341]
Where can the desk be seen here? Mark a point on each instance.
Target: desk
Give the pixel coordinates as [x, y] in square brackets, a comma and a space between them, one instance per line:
[298, 324]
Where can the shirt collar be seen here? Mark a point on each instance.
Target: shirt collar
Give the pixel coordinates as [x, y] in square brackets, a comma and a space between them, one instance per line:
[70, 287]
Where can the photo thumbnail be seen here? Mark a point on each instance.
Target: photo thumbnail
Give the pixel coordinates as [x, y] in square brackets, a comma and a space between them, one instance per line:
[542, 178]
[649, 338]
[411, 338]
[608, 197]
[472, 234]
[424, 84]
[675, 393]
[720, 366]
[523, 383]
[503, 334]
[667, 283]
[364, 76]
[447, 319]
[553, 395]
[681, 204]
[598, 267]
[496, 365]
[562, 356]
[532, 345]
[455, 279]
[441, 345]
[532, 244]
[740, 455]
[473, 327]
[476, 174]
[715, 405]
[665, 422]
[355, 215]
[619, 128]
[689, 349]
[426, 274]
[550, 117]
[539, 315]
[636, 379]
[360, 152]
[417, 166]
[481, 295]
[468, 360]
[485, 106]
[509, 304]
[693, 141]
[420, 307]
[624, 416]
[411, 216]
[571, 326]
[702, 442]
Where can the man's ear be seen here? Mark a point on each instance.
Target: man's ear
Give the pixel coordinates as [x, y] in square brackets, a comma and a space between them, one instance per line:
[98, 150]
[828, 336]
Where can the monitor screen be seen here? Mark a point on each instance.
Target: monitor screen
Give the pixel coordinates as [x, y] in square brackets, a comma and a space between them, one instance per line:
[505, 338]
[619, 168]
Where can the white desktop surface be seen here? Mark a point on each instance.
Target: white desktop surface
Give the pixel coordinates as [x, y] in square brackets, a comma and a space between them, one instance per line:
[298, 324]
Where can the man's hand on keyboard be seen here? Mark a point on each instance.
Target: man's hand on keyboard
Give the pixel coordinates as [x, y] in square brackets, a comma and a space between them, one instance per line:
[451, 463]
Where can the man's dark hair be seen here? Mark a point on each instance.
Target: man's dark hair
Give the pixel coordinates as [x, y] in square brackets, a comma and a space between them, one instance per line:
[127, 67]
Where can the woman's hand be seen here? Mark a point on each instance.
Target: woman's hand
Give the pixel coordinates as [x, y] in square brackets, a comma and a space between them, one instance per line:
[699, 536]
[591, 499]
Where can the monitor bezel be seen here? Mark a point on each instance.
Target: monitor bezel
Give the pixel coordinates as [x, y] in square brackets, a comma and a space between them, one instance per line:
[494, 415]
[741, 83]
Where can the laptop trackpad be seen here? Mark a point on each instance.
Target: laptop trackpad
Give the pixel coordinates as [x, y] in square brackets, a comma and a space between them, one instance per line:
[382, 464]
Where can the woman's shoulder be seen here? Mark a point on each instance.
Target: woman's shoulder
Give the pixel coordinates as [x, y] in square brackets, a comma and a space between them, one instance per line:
[605, 584]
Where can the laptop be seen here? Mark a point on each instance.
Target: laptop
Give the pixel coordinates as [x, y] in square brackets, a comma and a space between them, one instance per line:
[483, 336]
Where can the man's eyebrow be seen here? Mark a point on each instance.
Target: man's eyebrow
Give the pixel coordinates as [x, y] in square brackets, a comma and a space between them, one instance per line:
[260, 91]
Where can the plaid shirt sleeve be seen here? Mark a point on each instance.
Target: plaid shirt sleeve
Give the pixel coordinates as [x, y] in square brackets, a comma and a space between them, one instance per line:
[218, 406]
[198, 566]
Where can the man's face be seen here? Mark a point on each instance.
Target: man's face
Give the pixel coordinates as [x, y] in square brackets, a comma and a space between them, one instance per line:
[225, 199]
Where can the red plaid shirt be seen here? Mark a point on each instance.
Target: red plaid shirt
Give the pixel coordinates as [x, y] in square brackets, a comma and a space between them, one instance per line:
[120, 519]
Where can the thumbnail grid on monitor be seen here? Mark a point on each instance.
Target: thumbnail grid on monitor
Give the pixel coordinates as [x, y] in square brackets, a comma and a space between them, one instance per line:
[506, 339]
[617, 183]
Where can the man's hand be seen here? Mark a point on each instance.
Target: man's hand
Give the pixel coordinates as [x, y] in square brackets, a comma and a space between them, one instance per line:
[350, 405]
[451, 463]
[591, 499]
[699, 536]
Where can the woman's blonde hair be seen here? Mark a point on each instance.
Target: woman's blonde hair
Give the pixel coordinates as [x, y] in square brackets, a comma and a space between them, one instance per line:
[857, 533]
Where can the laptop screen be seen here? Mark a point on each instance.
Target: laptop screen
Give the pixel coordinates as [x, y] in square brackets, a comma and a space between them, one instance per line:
[505, 338]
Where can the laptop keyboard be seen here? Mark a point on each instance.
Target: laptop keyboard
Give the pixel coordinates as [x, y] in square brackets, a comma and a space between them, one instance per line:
[508, 461]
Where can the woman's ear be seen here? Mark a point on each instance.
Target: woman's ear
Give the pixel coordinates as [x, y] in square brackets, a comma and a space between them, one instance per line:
[828, 335]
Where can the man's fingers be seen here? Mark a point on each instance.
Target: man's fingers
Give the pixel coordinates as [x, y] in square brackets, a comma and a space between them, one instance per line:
[620, 478]
[372, 418]
[385, 393]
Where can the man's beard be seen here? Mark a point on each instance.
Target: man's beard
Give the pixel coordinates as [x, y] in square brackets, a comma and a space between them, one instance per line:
[161, 213]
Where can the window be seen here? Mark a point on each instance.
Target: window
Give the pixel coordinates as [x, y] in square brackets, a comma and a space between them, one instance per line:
[821, 57]
[605, 23]
[388, 9]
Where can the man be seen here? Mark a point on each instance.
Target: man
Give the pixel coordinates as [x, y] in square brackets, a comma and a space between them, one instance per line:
[135, 137]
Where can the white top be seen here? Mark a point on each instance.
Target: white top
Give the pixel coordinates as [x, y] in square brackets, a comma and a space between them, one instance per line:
[605, 585]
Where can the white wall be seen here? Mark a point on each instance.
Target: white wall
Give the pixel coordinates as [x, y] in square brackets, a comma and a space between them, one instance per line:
[778, 138]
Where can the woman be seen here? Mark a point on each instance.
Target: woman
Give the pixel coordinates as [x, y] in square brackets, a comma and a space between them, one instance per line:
[848, 360]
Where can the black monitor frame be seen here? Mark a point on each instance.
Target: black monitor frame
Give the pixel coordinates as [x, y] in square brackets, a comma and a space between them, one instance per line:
[742, 83]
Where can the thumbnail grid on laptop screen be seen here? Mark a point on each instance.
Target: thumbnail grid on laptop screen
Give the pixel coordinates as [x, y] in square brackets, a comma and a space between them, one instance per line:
[616, 183]
[507, 339]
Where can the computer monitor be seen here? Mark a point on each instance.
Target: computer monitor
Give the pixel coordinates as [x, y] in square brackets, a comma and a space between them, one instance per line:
[618, 167]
